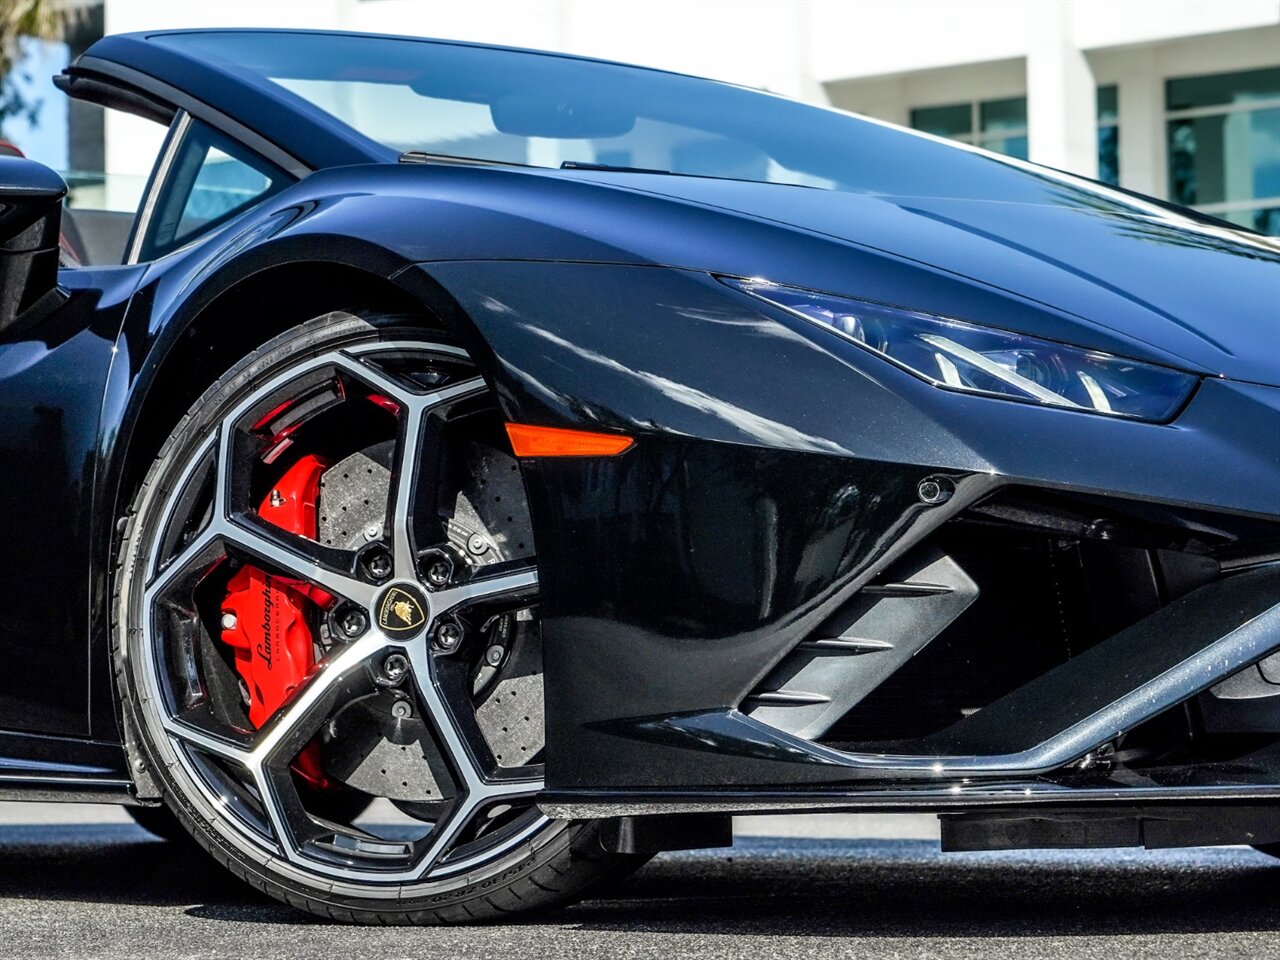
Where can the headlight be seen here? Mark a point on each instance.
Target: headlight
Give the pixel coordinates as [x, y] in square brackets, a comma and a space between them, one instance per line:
[961, 356]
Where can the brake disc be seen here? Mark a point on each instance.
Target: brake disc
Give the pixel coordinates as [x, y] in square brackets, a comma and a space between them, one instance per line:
[380, 745]
[486, 515]
[508, 691]
[352, 502]
[489, 519]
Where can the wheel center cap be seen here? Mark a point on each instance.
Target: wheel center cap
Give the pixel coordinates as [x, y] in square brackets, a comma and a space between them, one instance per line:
[402, 610]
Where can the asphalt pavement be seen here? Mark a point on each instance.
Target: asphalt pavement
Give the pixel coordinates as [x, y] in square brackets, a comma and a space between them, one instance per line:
[81, 881]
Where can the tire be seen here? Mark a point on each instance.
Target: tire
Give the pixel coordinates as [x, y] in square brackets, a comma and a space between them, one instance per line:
[476, 847]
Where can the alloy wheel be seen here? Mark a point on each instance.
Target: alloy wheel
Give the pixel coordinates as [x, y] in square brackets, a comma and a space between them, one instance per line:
[417, 586]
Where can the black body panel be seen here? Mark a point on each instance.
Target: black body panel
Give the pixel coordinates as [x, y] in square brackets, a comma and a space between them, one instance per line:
[52, 381]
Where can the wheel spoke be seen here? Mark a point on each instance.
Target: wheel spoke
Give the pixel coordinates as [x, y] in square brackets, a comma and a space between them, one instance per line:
[284, 832]
[477, 791]
[357, 364]
[445, 834]
[511, 790]
[415, 411]
[404, 481]
[444, 838]
[295, 724]
[287, 732]
[284, 553]
[433, 704]
[514, 584]
[278, 549]
[421, 436]
[209, 447]
[208, 742]
[181, 563]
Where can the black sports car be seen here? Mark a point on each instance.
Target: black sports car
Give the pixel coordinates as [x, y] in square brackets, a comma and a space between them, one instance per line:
[473, 470]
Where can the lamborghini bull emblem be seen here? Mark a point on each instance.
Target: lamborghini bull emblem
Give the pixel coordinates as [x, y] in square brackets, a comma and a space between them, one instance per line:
[401, 611]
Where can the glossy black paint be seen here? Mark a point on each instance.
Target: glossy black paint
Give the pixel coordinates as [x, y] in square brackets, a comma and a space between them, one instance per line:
[776, 465]
[62, 768]
[52, 379]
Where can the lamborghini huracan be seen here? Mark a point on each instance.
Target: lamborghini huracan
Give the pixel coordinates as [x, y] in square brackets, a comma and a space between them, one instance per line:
[468, 471]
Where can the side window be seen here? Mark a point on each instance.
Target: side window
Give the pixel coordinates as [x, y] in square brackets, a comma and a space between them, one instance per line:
[106, 166]
[209, 180]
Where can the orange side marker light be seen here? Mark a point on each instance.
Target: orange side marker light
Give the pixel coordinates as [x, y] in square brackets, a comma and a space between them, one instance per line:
[531, 441]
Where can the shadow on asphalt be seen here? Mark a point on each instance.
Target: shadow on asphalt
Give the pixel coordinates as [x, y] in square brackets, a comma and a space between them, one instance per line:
[764, 886]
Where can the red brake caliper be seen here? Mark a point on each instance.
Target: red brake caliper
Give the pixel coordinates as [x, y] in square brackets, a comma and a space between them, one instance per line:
[264, 617]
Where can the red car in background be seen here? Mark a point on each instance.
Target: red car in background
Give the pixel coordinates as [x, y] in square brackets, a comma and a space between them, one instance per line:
[69, 256]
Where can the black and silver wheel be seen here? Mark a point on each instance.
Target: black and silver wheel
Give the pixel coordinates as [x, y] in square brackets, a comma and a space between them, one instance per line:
[328, 637]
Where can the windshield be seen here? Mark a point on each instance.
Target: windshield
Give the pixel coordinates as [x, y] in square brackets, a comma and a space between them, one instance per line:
[545, 110]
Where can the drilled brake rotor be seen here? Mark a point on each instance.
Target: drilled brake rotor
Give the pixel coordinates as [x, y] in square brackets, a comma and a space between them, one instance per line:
[352, 505]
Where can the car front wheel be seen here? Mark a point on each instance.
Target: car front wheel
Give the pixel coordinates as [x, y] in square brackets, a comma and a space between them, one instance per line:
[328, 635]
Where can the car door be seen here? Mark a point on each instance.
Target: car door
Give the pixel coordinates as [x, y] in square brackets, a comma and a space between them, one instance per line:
[55, 360]
[56, 350]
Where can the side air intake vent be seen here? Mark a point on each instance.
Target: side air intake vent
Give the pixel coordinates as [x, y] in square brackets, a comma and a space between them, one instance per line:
[854, 651]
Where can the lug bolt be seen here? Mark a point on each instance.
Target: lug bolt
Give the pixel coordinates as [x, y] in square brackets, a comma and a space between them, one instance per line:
[277, 498]
[437, 568]
[229, 621]
[493, 656]
[395, 667]
[448, 636]
[378, 563]
[353, 623]
[401, 710]
[477, 544]
[935, 490]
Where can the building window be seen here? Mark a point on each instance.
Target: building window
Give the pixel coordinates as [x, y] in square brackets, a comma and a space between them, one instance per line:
[998, 125]
[1224, 145]
[1109, 135]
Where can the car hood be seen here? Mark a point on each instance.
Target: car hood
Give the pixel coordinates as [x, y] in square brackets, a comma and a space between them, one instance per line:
[1191, 287]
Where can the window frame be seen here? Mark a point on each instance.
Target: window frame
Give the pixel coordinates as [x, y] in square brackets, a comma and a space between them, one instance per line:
[1221, 207]
[976, 136]
[155, 183]
[1108, 123]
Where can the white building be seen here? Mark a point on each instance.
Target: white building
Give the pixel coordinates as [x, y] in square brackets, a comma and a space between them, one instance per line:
[1175, 98]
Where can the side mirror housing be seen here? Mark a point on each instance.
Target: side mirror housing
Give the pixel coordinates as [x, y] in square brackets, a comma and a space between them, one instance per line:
[30, 220]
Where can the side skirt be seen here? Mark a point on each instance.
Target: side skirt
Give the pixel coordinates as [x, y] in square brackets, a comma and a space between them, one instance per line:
[590, 805]
[65, 769]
